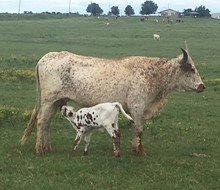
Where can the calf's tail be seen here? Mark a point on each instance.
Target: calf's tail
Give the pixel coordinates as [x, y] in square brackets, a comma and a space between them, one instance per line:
[35, 111]
[123, 112]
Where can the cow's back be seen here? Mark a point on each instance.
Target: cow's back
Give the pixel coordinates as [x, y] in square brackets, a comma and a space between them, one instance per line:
[85, 80]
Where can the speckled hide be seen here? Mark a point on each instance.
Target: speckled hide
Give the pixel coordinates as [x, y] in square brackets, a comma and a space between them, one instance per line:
[140, 84]
[101, 115]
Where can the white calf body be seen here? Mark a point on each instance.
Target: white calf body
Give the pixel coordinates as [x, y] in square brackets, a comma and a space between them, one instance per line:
[86, 119]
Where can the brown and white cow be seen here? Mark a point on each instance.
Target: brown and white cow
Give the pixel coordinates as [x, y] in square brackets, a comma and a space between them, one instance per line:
[140, 84]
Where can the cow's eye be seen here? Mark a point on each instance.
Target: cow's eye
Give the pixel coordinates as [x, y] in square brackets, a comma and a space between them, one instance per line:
[70, 114]
[192, 70]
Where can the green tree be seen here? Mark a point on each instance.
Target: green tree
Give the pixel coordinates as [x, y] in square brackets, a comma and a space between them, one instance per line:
[94, 9]
[129, 10]
[202, 11]
[115, 10]
[187, 12]
[148, 7]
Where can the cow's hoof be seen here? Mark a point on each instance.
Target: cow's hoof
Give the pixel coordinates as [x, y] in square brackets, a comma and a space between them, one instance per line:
[116, 153]
[39, 151]
[139, 150]
[48, 149]
[85, 153]
[72, 152]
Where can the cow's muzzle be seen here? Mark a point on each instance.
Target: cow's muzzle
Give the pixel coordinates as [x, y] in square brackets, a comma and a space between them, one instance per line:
[200, 88]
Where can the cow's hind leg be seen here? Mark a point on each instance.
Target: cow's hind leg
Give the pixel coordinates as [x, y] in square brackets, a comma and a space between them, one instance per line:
[43, 127]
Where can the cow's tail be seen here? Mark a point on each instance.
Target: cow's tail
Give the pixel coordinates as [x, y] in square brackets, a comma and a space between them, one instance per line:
[35, 111]
[123, 112]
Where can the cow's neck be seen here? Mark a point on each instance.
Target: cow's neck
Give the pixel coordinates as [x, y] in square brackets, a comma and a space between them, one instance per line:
[161, 82]
[174, 73]
[162, 77]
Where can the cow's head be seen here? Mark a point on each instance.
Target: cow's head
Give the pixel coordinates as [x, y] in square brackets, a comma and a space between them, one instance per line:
[190, 78]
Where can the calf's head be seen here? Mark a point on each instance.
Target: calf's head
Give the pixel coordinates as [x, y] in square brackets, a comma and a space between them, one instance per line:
[189, 77]
[68, 111]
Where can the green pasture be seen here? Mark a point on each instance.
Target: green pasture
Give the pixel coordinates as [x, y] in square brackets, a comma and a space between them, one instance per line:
[182, 142]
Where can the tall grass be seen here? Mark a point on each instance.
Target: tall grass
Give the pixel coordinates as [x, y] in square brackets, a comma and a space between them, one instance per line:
[182, 142]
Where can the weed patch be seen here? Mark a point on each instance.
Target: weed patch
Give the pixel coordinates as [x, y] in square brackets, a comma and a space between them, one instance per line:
[17, 75]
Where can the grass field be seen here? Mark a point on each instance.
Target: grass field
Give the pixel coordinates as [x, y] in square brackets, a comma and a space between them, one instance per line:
[182, 143]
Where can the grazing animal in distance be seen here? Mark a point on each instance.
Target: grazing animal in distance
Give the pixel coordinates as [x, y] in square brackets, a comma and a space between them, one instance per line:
[156, 37]
[101, 115]
[140, 84]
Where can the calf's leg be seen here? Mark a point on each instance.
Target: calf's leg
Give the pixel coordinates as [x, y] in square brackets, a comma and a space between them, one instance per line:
[87, 141]
[77, 140]
[115, 134]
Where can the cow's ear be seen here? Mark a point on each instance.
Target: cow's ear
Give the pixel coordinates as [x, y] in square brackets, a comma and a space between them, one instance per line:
[185, 57]
[187, 67]
[184, 63]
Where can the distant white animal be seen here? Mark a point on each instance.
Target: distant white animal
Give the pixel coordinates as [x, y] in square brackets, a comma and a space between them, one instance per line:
[156, 37]
[86, 119]
[155, 20]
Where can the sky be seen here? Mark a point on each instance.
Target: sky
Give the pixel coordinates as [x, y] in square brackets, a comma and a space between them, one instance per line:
[63, 6]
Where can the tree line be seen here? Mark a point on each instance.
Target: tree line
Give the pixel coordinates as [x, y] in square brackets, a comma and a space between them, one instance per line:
[148, 7]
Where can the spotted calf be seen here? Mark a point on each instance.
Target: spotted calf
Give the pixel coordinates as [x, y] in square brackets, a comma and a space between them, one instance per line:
[86, 119]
